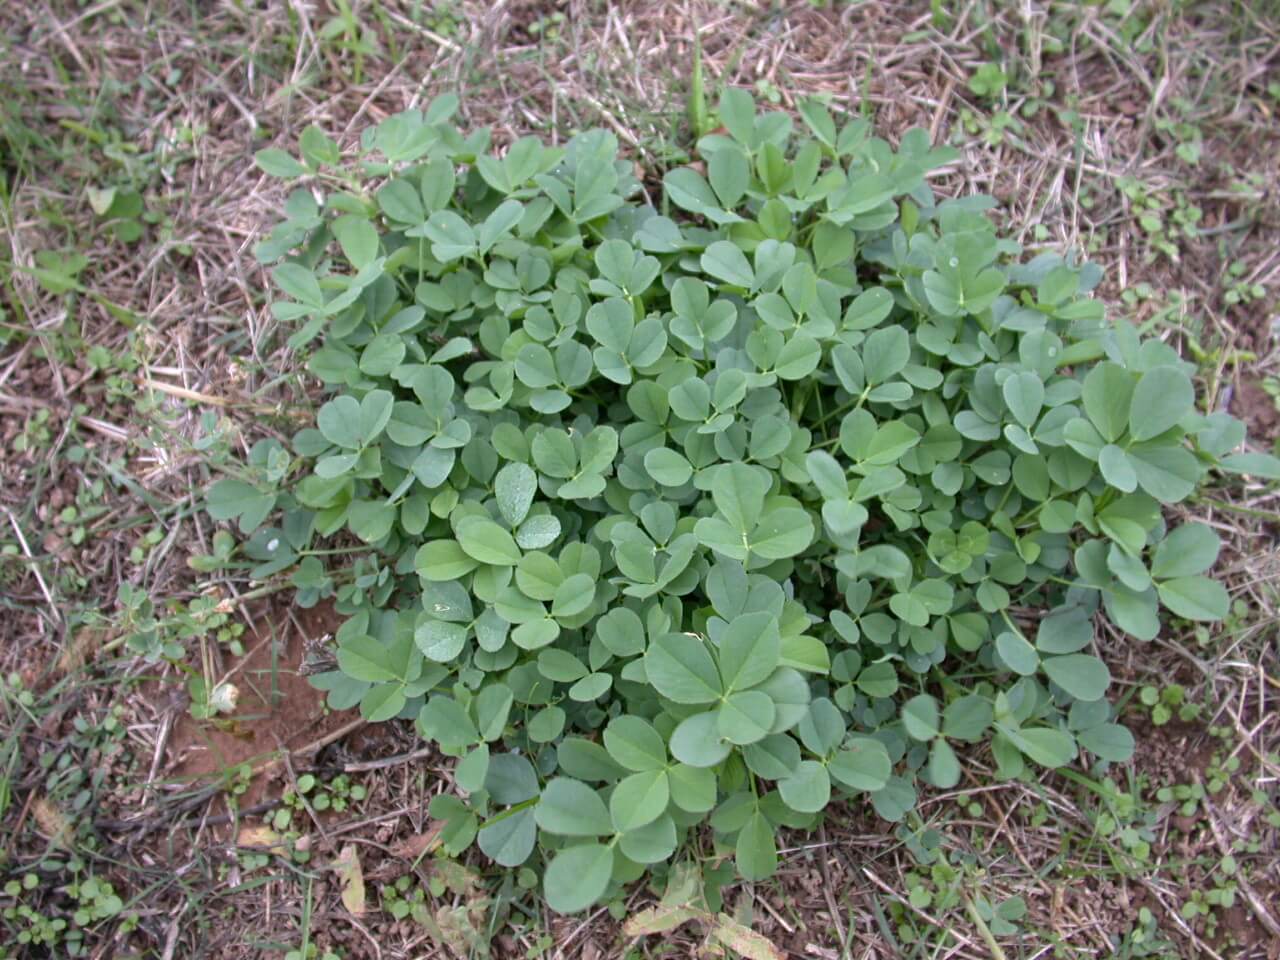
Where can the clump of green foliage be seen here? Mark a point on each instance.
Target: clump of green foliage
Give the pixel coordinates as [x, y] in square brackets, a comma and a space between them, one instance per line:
[717, 506]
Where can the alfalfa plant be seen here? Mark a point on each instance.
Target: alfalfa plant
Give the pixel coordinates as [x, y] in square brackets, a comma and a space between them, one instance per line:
[711, 508]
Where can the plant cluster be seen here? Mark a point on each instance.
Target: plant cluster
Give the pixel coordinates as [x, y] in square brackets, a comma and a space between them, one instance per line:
[718, 506]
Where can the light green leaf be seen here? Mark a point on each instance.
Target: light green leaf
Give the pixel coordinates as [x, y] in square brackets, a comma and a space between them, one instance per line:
[798, 358]
[485, 541]
[1163, 396]
[509, 841]
[1047, 747]
[442, 561]
[639, 799]
[944, 768]
[808, 789]
[698, 742]
[1064, 630]
[1116, 468]
[739, 492]
[884, 354]
[750, 649]
[1084, 677]
[621, 632]
[726, 262]
[1195, 598]
[746, 717]
[1169, 474]
[667, 467]
[1261, 465]
[574, 595]
[570, 808]
[680, 668]
[278, 163]
[757, 852]
[1108, 741]
[577, 877]
[440, 641]
[1188, 550]
[514, 487]
[1024, 395]
[635, 744]
[358, 239]
[1108, 392]
[863, 765]
[920, 717]
[1017, 654]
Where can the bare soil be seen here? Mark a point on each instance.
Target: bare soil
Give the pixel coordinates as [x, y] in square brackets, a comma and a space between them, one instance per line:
[278, 711]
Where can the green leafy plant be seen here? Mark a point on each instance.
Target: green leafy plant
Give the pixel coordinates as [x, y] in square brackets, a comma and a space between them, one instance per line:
[1167, 702]
[718, 511]
[989, 80]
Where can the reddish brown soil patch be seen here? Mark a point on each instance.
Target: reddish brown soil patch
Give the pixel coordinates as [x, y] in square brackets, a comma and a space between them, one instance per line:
[278, 708]
[1257, 409]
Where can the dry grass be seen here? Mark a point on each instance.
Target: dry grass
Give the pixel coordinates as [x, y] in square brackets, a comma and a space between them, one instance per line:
[177, 97]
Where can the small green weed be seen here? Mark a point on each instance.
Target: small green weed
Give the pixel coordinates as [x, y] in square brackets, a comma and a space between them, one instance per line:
[1166, 702]
[988, 81]
[90, 901]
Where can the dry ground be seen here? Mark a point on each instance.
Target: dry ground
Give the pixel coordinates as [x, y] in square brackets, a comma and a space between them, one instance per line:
[1149, 140]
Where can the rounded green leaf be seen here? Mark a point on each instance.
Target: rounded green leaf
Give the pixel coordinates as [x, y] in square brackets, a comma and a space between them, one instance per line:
[577, 877]
[667, 467]
[652, 843]
[680, 668]
[573, 596]
[750, 650]
[1047, 747]
[693, 789]
[756, 853]
[1082, 676]
[511, 779]
[920, 717]
[943, 769]
[591, 687]
[1064, 630]
[572, 809]
[746, 717]
[485, 541]
[798, 358]
[1108, 741]
[1116, 468]
[1188, 550]
[635, 744]
[514, 487]
[339, 422]
[1195, 598]
[1024, 396]
[1018, 655]
[440, 641]
[1163, 396]
[726, 262]
[1108, 392]
[808, 789]
[621, 632]
[509, 840]
[862, 765]
[698, 742]
[639, 799]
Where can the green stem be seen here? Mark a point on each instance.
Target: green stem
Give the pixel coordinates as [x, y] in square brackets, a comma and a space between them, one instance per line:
[1236, 508]
[509, 812]
[845, 408]
[984, 930]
